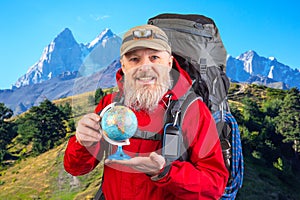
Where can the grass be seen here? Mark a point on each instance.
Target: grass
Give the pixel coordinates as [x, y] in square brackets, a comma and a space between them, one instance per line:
[44, 177]
[29, 179]
[263, 182]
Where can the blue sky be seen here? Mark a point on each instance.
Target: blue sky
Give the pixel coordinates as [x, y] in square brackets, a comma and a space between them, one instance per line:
[271, 28]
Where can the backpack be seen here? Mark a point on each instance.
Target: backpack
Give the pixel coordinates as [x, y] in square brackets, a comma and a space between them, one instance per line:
[197, 46]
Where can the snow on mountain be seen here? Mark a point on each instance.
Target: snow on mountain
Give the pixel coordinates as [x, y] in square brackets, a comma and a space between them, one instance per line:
[64, 54]
[66, 68]
[102, 38]
[102, 51]
[270, 75]
[68, 84]
[235, 69]
[61, 55]
[249, 64]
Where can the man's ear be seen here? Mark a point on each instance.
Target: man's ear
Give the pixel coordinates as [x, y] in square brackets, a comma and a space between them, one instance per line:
[122, 65]
[171, 61]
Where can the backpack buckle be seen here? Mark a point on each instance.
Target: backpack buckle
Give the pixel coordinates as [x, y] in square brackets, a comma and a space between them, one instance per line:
[176, 118]
[203, 65]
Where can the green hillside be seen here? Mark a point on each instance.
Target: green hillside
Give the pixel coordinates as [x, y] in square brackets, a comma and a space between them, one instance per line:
[43, 177]
[269, 170]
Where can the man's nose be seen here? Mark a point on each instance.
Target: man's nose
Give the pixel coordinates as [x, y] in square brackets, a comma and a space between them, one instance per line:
[146, 61]
[144, 67]
[145, 64]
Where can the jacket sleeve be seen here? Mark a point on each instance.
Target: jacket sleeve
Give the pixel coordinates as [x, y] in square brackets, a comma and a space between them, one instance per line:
[204, 175]
[80, 160]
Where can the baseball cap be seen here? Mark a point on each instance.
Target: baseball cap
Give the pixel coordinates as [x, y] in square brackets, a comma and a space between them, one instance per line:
[145, 36]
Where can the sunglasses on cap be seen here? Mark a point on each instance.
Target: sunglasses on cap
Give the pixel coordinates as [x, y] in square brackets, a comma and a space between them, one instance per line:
[144, 34]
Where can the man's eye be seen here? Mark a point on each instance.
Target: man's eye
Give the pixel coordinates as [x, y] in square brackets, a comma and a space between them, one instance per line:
[154, 57]
[133, 59]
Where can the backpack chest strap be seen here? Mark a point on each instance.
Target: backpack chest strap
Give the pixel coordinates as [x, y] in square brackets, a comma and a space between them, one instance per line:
[147, 135]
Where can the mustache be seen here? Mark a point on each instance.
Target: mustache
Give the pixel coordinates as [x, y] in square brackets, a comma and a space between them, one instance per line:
[145, 74]
[147, 70]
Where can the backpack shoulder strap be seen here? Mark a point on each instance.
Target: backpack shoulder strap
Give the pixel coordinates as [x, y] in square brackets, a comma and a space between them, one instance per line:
[174, 117]
[176, 111]
[191, 98]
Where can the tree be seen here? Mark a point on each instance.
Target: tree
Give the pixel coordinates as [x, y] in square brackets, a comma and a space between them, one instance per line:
[43, 126]
[6, 130]
[68, 113]
[271, 107]
[66, 109]
[27, 129]
[98, 95]
[258, 130]
[252, 115]
[236, 113]
[288, 120]
[5, 113]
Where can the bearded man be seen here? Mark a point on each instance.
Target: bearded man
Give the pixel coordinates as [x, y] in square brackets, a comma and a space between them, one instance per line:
[148, 82]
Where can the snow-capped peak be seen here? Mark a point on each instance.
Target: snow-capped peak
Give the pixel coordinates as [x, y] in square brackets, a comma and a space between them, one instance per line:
[247, 55]
[102, 37]
[247, 58]
[271, 58]
[62, 54]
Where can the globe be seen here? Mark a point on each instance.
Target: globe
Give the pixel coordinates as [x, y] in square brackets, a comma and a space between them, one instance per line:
[119, 123]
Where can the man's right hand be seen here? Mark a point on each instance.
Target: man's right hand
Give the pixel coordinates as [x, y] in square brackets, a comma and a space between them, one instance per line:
[87, 131]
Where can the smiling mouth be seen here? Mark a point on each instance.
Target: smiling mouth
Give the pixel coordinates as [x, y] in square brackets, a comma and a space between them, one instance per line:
[146, 80]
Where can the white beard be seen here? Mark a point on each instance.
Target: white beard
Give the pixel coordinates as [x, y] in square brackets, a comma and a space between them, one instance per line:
[146, 97]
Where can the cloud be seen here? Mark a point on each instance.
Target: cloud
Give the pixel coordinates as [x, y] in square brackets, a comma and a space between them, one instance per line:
[98, 18]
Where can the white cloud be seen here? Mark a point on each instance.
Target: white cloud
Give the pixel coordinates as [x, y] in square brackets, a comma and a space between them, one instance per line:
[98, 18]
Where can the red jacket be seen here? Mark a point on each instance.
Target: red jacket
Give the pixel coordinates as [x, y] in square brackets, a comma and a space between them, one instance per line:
[204, 176]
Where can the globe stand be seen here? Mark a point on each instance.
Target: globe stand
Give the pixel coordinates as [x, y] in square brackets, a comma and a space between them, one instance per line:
[119, 154]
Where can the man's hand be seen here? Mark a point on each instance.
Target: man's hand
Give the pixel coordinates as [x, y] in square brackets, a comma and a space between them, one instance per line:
[87, 131]
[150, 165]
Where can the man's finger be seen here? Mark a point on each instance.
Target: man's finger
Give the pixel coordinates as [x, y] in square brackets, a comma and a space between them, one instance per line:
[158, 159]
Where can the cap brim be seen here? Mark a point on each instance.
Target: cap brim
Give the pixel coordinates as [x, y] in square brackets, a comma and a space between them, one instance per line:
[139, 44]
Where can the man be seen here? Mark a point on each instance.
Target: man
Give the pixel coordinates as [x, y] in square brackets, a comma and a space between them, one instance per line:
[147, 87]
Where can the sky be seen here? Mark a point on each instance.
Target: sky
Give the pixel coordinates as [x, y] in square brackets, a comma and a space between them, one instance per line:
[269, 27]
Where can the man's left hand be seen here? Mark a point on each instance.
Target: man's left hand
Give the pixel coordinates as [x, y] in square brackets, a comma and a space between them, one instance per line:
[150, 165]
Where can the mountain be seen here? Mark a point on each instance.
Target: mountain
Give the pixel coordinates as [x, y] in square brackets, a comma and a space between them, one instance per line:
[67, 67]
[61, 55]
[101, 52]
[23, 98]
[251, 68]
[64, 54]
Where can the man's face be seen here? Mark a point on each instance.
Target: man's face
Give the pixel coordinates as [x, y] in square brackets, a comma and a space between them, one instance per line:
[146, 77]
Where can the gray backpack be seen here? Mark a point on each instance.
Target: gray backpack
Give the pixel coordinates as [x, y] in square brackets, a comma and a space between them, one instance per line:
[197, 47]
